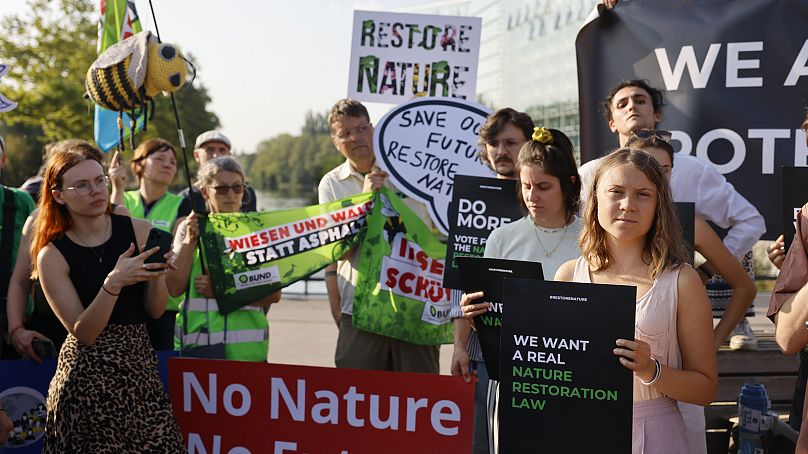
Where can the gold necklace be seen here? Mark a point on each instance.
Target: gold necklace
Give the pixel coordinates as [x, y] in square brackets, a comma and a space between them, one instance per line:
[100, 256]
[536, 232]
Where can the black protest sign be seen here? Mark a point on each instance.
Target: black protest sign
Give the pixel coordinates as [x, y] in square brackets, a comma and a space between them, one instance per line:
[559, 376]
[479, 205]
[795, 195]
[686, 212]
[734, 83]
[487, 275]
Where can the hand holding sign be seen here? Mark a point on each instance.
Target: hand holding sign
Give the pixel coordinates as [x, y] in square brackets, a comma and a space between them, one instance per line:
[472, 310]
[374, 180]
[636, 356]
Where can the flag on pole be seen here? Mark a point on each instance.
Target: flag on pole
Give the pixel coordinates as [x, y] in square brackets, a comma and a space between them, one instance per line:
[118, 21]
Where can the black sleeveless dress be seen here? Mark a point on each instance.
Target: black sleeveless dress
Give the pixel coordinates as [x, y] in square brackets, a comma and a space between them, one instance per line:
[107, 397]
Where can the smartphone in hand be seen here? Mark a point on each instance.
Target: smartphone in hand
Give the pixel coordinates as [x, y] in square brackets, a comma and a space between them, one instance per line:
[44, 348]
[159, 238]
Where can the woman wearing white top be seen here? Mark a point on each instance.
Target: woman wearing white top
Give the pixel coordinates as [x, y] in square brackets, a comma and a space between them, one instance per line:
[549, 189]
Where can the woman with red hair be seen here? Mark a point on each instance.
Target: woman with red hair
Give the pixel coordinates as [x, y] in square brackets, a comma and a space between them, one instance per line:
[106, 395]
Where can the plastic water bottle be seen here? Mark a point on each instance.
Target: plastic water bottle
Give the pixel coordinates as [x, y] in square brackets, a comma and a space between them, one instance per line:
[755, 419]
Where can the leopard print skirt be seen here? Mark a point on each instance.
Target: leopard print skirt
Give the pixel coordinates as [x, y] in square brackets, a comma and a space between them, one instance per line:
[108, 398]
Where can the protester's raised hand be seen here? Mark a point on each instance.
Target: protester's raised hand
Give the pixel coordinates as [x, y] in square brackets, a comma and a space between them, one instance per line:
[374, 180]
[191, 228]
[636, 356]
[609, 4]
[117, 172]
[777, 252]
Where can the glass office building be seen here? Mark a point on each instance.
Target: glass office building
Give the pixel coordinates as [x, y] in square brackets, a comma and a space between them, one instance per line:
[527, 55]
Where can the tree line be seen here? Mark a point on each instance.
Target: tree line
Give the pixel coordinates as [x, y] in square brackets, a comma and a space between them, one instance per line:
[49, 50]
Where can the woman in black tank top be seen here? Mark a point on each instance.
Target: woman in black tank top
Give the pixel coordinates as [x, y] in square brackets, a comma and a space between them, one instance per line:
[95, 279]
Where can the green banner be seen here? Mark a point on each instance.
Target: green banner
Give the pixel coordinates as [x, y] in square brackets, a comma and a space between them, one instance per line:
[251, 255]
[399, 291]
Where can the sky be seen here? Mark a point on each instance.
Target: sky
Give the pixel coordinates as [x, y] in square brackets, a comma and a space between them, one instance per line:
[264, 63]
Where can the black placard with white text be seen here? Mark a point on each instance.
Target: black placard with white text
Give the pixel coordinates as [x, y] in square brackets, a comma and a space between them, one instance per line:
[487, 275]
[795, 195]
[735, 78]
[562, 389]
[479, 205]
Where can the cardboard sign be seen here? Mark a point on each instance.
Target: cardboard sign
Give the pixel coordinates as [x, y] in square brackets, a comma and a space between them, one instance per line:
[396, 57]
[236, 406]
[424, 144]
[487, 275]
[479, 205]
[795, 195]
[558, 371]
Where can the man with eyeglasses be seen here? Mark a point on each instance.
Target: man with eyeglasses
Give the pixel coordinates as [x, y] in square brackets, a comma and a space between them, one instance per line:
[210, 145]
[16, 206]
[352, 135]
[634, 108]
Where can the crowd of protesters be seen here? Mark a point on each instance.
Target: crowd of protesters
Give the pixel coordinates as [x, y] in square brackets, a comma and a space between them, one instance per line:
[78, 284]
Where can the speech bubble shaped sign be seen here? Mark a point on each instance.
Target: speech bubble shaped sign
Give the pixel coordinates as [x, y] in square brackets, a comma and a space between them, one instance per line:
[423, 144]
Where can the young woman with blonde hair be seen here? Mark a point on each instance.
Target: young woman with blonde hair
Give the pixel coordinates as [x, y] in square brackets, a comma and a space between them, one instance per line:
[631, 236]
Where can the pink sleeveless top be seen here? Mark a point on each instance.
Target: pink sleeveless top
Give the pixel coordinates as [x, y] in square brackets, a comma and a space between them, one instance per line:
[655, 323]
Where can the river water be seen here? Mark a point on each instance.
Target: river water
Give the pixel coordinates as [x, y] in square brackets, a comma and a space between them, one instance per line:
[269, 201]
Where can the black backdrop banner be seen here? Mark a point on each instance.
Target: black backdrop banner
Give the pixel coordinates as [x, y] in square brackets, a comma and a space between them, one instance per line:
[795, 195]
[735, 75]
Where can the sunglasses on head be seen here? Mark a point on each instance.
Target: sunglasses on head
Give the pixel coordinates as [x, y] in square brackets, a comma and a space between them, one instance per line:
[224, 189]
[645, 134]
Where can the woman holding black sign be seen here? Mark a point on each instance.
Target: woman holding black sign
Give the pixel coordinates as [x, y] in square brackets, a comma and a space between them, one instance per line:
[106, 394]
[707, 243]
[631, 236]
[549, 190]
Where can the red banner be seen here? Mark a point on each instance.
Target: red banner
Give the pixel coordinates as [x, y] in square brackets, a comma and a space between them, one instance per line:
[242, 407]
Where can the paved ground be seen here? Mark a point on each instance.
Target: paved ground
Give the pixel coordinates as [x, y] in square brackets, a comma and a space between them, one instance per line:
[302, 331]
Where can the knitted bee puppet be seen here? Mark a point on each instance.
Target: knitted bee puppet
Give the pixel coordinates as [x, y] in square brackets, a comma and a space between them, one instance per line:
[131, 72]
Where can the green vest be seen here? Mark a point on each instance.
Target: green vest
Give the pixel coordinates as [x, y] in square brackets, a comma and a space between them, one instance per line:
[162, 216]
[246, 337]
[25, 205]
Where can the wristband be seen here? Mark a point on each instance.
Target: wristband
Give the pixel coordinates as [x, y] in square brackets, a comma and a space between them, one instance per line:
[330, 273]
[657, 373]
[105, 289]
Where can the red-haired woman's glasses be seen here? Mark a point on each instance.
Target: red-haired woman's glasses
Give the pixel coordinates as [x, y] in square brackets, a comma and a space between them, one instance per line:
[645, 134]
[224, 189]
[84, 187]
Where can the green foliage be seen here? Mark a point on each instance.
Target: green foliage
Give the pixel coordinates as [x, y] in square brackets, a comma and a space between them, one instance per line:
[49, 50]
[293, 165]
